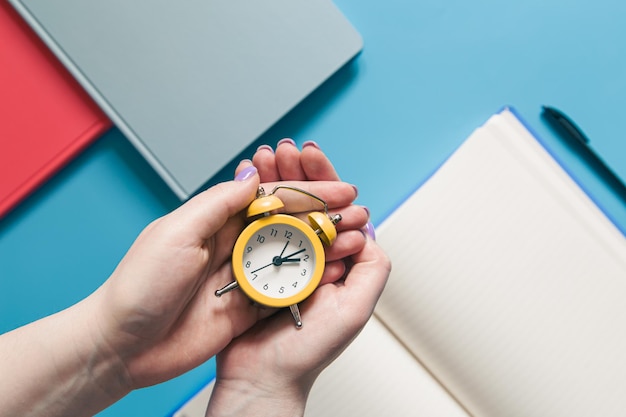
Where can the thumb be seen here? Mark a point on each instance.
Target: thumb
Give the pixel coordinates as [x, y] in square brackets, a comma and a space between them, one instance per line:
[203, 215]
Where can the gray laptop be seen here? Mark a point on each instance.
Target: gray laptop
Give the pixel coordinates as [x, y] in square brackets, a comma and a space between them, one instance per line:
[192, 83]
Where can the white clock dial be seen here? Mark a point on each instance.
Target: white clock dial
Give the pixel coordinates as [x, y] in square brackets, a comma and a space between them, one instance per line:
[279, 260]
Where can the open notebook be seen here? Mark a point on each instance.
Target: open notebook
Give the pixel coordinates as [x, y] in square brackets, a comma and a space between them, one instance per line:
[506, 296]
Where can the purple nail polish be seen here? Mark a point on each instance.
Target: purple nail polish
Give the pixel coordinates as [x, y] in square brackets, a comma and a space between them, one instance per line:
[246, 173]
[369, 229]
[311, 143]
[265, 147]
[286, 140]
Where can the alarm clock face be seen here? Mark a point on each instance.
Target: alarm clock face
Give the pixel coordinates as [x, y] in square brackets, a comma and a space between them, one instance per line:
[278, 261]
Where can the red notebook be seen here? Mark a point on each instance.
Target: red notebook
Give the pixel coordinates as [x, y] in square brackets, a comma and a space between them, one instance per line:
[46, 118]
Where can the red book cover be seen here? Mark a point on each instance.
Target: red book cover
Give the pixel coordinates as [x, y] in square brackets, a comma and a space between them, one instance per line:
[46, 118]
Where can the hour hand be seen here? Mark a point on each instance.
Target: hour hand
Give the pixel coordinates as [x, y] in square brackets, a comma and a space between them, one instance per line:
[286, 258]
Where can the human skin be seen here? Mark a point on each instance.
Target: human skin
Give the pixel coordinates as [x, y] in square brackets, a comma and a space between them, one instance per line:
[156, 316]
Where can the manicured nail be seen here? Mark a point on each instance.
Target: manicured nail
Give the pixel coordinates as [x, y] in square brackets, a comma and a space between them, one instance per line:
[246, 173]
[265, 148]
[311, 144]
[367, 211]
[286, 140]
[369, 229]
[356, 191]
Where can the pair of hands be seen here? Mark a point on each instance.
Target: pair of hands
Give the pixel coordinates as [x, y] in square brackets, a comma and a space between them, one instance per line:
[158, 316]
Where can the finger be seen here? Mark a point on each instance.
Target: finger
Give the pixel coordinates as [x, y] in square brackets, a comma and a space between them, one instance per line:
[352, 217]
[334, 193]
[265, 161]
[347, 244]
[333, 271]
[243, 164]
[367, 277]
[288, 161]
[203, 215]
[316, 165]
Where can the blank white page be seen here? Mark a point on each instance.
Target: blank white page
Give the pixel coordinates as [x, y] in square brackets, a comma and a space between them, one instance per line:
[508, 282]
[376, 376]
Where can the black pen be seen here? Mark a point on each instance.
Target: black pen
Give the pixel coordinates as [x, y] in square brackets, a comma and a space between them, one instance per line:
[566, 123]
[575, 137]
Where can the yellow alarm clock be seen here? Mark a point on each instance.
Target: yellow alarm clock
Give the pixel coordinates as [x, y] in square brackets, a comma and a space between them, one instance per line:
[278, 259]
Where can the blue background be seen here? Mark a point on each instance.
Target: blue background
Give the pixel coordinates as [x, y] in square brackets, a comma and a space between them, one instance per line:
[429, 74]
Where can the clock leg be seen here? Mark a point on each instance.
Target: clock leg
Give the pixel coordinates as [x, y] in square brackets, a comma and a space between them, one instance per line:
[295, 312]
[233, 285]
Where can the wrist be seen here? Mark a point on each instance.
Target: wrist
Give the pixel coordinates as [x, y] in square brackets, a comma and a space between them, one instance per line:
[103, 362]
[95, 375]
[57, 366]
[242, 397]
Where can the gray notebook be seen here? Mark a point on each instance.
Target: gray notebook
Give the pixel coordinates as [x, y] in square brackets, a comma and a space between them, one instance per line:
[192, 83]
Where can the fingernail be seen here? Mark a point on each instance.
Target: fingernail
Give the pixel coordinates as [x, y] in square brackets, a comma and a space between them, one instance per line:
[356, 191]
[246, 173]
[369, 229]
[311, 144]
[367, 211]
[265, 147]
[286, 140]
